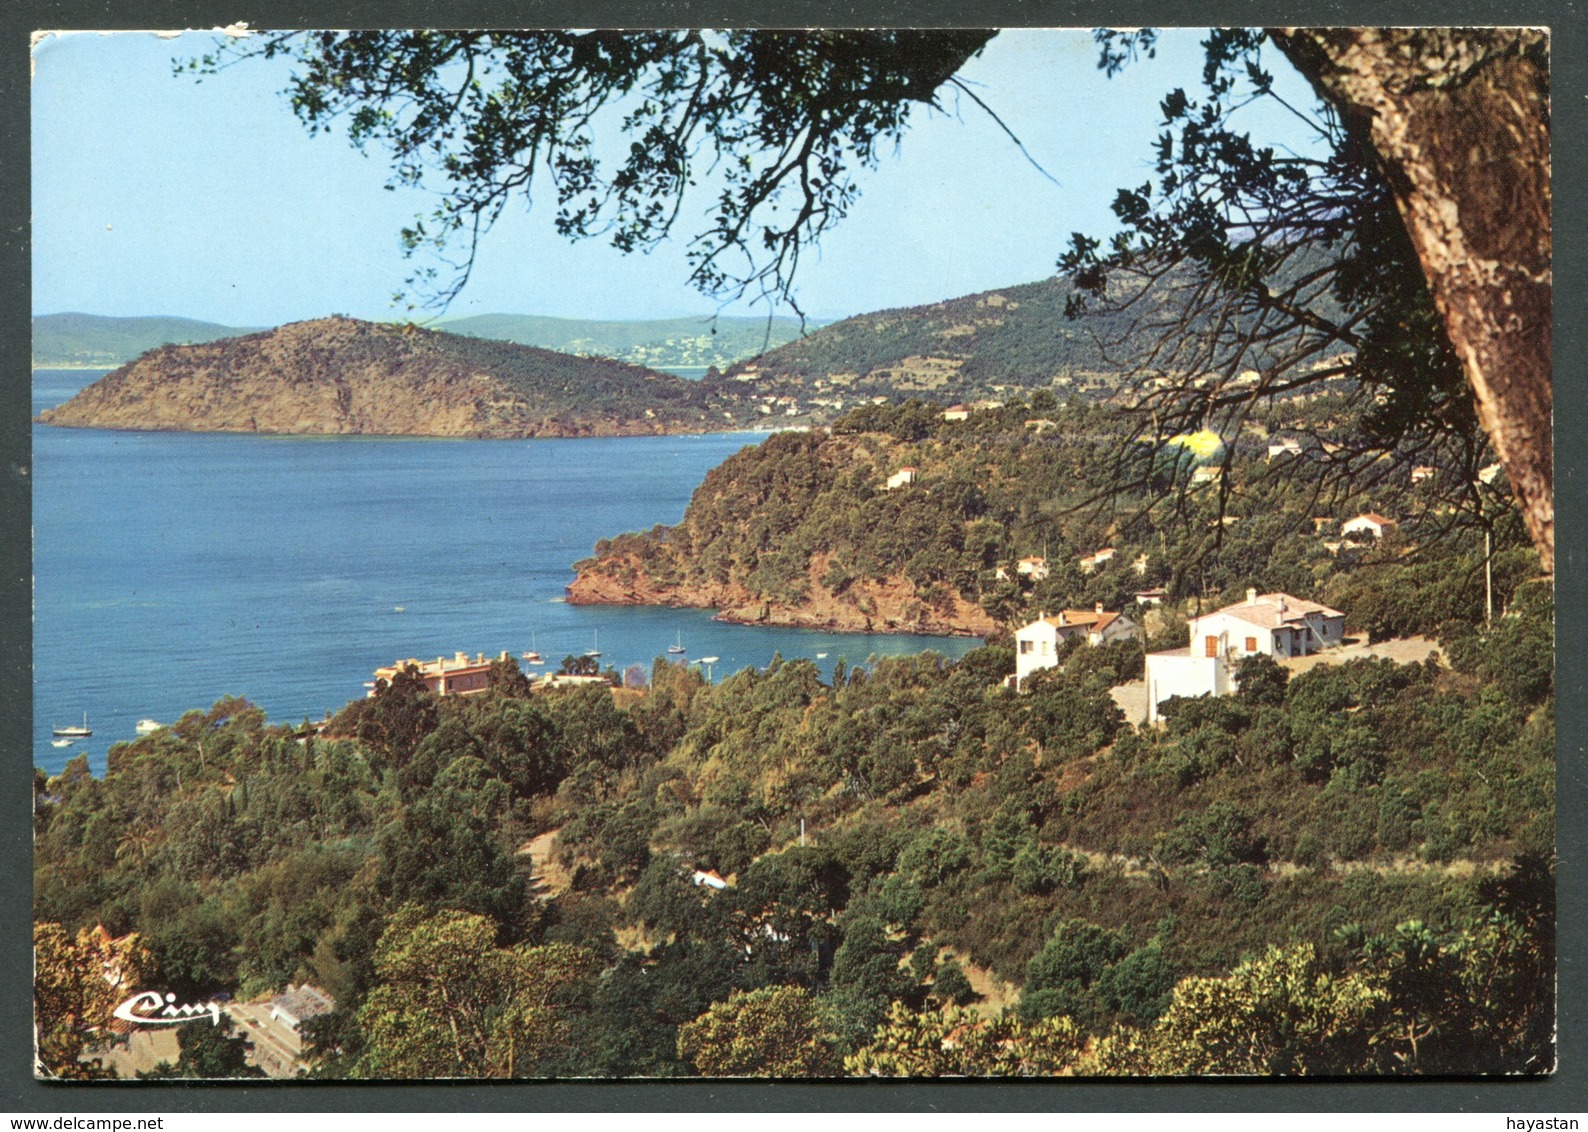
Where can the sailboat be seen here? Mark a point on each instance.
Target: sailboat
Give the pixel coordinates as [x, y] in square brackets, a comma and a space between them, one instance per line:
[679, 647]
[597, 650]
[73, 731]
[533, 655]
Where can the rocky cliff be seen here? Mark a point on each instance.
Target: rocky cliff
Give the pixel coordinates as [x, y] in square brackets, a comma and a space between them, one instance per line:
[343, 376]
[800, 530]
[889, 605]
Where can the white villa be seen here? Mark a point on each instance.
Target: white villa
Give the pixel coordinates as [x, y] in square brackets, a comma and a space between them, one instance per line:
[905, 475]
[1090, 562]
[1368, 523]
[1275, 624]
[1034, 567]
[1037, 645]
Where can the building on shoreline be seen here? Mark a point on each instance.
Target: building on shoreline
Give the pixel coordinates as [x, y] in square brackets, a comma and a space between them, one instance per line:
[458, 676]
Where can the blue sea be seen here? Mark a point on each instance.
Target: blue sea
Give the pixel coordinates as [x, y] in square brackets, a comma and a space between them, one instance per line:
[171, 569]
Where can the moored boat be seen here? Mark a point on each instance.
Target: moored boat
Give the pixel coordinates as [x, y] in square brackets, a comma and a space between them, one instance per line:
[74, 731]
[675, 650]
[533, 655]
[147, 726]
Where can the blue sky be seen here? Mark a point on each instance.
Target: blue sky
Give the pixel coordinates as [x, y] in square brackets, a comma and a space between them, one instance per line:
[158, 194]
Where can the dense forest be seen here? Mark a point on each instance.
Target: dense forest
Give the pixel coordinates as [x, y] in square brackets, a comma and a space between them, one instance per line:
[1345, 871]
[914, 869]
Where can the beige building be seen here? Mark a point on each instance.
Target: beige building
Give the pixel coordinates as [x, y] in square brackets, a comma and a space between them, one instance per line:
[458, 676]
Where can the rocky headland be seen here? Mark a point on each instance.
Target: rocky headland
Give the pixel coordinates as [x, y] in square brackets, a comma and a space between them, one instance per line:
[342, 376]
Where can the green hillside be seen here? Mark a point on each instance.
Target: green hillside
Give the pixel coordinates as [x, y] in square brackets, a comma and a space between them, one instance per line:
[977, 345]
[92, 340]
[669, 343]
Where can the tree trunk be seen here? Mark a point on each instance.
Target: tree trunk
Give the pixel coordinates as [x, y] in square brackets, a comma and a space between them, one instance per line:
[1459, 119]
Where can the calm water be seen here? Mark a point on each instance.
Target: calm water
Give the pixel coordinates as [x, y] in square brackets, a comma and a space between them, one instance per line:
[172, 569]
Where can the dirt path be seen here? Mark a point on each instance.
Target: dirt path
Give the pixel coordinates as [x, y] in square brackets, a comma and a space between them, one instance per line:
[549, 878]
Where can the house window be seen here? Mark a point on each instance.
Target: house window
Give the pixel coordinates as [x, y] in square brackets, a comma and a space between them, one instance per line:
[1251, 644]
[1212, 646]
[1027, 646]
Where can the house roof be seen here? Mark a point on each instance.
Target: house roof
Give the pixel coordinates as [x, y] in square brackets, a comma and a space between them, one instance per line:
[302, 1002]
[1272, 611]
[1374, 517]
[1088, 619]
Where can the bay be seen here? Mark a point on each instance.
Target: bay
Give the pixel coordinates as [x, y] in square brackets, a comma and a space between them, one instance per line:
[172, 569]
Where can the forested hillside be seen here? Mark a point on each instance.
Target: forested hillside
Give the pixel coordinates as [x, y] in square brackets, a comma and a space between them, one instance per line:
[1343, 870]
[804, 530]
[984, 345]
[1346, 871]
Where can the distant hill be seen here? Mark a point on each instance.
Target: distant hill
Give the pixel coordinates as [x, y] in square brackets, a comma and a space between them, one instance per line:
[990, 344]
[340, 375]
[94, 341]
[659, 343]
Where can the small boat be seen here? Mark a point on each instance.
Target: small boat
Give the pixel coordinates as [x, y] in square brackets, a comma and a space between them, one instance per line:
[708, 660]
[75, 732]
[597, 650]
[147, 726]
[533, 655]
[399, 609]
[821, 656]
[60, 742]
[675, 650]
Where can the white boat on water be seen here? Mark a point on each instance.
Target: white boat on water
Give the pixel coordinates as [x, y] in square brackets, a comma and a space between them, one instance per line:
[147, 726]
[597, 650]
[60, 742]
[533, 655]
[679, 648]
[74, 731]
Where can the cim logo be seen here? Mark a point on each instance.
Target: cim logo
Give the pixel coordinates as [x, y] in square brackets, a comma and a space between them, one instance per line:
[151, 1008]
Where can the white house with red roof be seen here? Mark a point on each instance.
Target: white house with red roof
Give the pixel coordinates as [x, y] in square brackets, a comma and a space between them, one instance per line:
[1274, 624]
[1368, 523]
[1038, 644]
